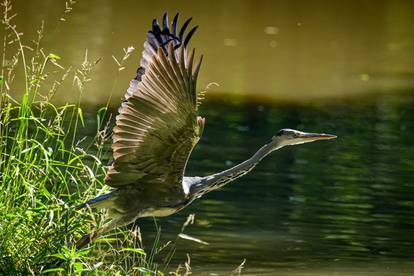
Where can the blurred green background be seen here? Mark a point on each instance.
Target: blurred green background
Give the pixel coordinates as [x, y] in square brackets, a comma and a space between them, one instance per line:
[277, 50]
[342, 67]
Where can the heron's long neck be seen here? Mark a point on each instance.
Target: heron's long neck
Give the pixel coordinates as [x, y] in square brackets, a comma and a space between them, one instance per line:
[215, 181]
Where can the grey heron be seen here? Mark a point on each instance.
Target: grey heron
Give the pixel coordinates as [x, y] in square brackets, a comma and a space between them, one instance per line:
[157, 128]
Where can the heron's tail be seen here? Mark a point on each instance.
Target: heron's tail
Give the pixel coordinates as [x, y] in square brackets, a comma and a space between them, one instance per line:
[94, 201]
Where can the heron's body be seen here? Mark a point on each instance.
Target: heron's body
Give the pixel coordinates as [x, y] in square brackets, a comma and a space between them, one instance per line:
[156, 130]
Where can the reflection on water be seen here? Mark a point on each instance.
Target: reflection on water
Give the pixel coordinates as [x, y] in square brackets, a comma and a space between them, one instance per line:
[343, 206]
[283, 50]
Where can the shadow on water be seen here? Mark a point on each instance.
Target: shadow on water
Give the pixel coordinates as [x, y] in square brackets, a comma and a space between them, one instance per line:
[341, 206]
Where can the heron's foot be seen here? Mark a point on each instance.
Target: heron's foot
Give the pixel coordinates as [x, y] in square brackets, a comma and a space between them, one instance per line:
[84, 241]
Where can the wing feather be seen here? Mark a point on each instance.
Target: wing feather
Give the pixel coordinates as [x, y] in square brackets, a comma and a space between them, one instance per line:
[157, 126]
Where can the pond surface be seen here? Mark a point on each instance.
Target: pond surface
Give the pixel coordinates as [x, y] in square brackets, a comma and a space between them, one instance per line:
[344, 206]
[280, 50]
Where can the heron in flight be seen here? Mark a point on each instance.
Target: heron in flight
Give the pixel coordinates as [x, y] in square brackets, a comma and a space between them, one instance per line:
[156, 130]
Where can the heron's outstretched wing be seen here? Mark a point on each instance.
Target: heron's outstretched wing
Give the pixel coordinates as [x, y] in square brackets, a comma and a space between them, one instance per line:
[157, 126]
[160, 37]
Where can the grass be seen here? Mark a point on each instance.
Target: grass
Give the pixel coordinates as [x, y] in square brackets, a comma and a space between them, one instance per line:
[47, 168]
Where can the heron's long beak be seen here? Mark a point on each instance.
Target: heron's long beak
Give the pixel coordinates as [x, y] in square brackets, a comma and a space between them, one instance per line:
[316, 136]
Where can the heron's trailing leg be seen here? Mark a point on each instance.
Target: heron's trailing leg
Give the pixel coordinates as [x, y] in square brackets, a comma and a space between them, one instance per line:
[114, 223]
[88, 238]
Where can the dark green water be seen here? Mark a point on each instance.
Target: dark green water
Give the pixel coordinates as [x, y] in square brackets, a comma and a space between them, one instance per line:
[343, 206]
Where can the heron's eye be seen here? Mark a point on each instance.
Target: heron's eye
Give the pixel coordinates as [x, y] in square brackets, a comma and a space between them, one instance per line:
[280, 133]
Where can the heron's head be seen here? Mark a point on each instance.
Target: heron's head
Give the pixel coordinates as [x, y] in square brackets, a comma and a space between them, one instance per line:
[288, 137]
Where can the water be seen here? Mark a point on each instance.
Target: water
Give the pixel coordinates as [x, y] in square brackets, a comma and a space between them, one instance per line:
[279, 50]
[344, 206]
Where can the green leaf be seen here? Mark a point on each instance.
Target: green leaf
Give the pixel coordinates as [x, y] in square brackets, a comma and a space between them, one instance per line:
[105, 240]
[81, 116]
[59, 255]
[83, 252]
[57, 269]
[100, 115]
[78, 267]
[135, 250]
[145, 271]
[25, 99]
[53, 56]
